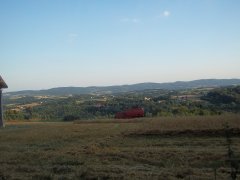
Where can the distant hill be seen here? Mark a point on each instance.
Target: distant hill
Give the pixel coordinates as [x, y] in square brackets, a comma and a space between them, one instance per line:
[61, 91]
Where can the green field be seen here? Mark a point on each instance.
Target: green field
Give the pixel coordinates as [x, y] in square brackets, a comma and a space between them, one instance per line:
[157, 148]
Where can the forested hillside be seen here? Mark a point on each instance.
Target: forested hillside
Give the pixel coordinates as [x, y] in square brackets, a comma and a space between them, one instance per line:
[200, 101]
[225, 99]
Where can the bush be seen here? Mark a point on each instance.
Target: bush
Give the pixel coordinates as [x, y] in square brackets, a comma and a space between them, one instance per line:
[70, 118]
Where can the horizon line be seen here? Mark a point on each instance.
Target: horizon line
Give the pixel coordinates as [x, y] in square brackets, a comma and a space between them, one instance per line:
[167, 82]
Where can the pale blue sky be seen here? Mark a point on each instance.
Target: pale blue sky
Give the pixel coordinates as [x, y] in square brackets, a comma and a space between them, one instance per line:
[52, 43]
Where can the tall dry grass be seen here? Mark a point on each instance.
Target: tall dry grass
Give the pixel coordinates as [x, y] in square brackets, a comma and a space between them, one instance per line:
[101, 151]
[192, 122]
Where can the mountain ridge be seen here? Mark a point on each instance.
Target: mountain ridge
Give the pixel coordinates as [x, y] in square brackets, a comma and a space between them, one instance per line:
[178, 85]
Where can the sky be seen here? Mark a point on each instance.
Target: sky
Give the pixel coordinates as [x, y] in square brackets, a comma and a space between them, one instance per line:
[59, 43]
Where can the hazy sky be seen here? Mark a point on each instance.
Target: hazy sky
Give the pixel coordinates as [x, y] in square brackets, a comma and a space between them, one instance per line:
[51, 43]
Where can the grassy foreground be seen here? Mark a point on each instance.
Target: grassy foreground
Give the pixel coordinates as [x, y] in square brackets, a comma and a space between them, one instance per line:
[160, 148]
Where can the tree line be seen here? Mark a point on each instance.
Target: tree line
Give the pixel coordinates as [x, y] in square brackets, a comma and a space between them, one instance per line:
[155, 103]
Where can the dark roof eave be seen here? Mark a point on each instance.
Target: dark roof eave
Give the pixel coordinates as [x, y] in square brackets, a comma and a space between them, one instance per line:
[2, 83]
[3, 87]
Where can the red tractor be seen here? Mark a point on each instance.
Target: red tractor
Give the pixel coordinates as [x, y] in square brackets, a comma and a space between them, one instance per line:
[130, 113]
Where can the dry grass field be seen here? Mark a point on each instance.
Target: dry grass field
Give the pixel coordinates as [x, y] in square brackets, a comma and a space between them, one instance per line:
[159, 148]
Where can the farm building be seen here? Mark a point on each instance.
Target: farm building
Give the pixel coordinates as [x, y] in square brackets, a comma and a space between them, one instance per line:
[130, 113]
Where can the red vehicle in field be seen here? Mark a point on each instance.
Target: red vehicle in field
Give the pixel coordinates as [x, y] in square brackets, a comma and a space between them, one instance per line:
[130, 113]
